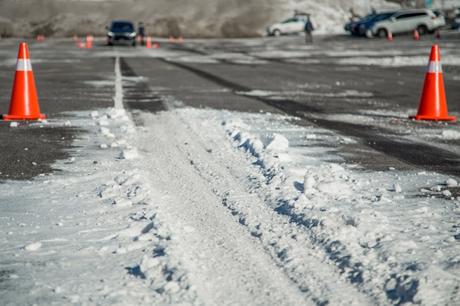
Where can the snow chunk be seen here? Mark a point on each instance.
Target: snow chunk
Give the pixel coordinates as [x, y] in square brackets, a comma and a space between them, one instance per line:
[14, 124]
[279, 143]
[450, 134]
[308, 182]
[33, 246]
[129, 153]
[451, 182]
[337, 189]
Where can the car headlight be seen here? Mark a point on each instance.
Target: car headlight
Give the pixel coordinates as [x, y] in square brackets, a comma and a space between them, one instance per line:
[110, 33]
[132, 34]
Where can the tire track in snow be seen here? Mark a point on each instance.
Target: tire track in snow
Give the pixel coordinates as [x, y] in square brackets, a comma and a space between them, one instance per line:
[204, 183]
[226, 265]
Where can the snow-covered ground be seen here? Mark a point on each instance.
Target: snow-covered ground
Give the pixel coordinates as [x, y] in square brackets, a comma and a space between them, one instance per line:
[216, 207]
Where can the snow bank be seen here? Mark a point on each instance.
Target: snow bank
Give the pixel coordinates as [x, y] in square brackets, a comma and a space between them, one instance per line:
[95, 219]
[373, 225]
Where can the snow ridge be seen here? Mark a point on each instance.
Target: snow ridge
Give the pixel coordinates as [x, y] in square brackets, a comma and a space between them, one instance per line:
[364, 242]
[167, 280]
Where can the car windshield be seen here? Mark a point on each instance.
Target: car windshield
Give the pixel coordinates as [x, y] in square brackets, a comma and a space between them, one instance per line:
[368, 17]
[290, 20]
[122, 27]
[384, 16]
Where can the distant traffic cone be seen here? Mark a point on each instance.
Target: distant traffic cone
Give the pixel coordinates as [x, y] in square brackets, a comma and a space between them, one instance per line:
[171, 39]
[180, 39]
[89, 42]
[433, 104]
[416, 35]
[156, 46]
[148, 42]
[390, 36]
[24, 99]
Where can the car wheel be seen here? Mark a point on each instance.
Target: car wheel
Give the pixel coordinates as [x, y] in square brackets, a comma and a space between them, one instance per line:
[422, 29]
[382, 33]
[276, 33]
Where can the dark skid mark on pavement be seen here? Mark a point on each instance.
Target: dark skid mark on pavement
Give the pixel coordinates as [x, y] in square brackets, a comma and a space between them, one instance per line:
[417, 154]
[241, 89]
[136, 94]
[24, 146]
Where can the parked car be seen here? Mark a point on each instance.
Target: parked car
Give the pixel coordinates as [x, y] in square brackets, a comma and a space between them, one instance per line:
[456, 23]
[360, 27]
[292, 25]
[405, 21]
[121, 31]
[352, 26]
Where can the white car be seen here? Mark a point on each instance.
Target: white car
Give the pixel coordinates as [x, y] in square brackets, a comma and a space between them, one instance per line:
[289, 26]
[405, 21]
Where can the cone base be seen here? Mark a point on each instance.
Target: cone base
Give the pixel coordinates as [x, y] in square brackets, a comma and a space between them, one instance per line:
[432, 118]
[23, 118]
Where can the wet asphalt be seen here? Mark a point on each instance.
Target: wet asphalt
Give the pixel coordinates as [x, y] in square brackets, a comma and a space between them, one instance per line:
[308, 82]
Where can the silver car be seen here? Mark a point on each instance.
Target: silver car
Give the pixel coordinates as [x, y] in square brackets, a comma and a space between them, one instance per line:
[292, 25]
[405, 21]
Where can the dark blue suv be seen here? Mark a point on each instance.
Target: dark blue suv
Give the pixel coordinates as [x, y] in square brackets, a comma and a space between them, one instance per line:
[121, 31]
[360, 27]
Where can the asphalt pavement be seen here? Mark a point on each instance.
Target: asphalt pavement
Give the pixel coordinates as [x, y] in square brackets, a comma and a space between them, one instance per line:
[323, 84]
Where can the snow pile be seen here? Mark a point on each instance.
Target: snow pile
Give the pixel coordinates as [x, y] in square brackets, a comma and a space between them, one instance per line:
[129, 188]
[386, 233]
[95, 219]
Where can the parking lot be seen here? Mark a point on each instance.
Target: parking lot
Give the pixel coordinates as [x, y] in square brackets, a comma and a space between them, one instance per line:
[251, 171]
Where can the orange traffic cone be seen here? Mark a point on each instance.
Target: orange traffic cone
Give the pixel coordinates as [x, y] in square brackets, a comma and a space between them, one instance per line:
[148, 43]
[24, 99]
[89, 41]
[433, 104]
[390, 36]
[416, 35]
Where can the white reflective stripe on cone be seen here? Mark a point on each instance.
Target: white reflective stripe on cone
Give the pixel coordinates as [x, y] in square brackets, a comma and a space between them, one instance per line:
[435, 67]
[23, 65]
